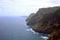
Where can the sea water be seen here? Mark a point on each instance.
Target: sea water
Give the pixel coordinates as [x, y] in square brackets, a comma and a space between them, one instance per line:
[15, 28]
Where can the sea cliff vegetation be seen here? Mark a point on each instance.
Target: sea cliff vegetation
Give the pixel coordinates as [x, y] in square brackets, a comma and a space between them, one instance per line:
[47, 21]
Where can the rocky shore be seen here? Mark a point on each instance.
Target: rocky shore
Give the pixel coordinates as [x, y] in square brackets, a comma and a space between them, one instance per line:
[46, 20]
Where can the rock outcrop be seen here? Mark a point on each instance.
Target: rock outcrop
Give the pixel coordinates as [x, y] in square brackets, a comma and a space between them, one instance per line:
[28, 20]
[55, 35]
[44, 18]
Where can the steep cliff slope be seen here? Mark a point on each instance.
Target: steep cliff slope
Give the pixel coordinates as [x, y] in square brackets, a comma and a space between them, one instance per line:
[46, 20]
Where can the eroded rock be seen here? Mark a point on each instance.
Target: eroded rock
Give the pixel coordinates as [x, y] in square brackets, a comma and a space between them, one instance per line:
[45, 20]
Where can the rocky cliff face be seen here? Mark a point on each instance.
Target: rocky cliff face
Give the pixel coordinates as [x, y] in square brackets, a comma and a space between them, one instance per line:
[55, 35]
[45, 19]
[28, 20]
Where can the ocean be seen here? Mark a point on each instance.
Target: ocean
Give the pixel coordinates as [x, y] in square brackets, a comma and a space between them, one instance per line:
[15, 28]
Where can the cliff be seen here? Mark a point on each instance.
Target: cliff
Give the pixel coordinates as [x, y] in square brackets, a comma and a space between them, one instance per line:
[44, 20]
[55, 35]
[28, 20]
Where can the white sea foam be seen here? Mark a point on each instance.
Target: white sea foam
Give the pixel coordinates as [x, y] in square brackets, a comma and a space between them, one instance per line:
[44, 37]
[32, 31]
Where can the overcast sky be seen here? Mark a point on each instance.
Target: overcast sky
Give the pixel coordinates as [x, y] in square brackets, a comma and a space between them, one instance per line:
[24, 7]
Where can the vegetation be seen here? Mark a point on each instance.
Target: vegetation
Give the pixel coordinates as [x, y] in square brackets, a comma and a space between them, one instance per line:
[47, 22]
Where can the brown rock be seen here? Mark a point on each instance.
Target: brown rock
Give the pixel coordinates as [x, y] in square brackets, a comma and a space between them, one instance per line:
[55, 35]
[46, 20]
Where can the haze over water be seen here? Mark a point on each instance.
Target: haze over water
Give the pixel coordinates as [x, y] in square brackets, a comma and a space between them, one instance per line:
[14, 28]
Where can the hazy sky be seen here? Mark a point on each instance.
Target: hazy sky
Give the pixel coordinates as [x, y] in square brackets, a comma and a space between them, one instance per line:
[24, 7]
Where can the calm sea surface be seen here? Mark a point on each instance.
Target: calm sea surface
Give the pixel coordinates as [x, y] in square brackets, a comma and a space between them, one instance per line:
[14, 28]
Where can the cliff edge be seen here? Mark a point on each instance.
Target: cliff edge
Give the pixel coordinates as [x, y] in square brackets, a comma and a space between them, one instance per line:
[45, 20]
